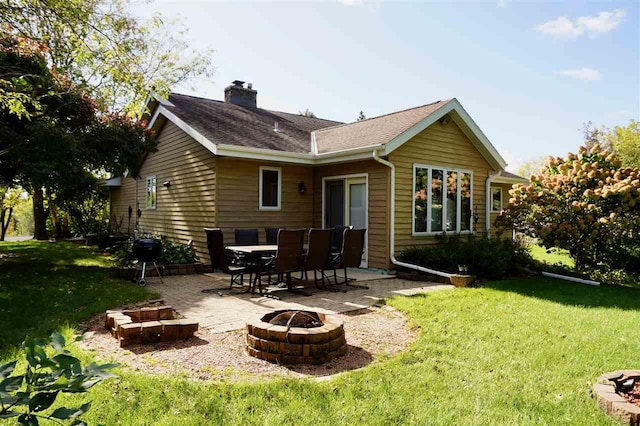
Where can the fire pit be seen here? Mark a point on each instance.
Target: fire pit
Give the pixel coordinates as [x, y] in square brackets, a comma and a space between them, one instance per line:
[618, 394]
[296, 337]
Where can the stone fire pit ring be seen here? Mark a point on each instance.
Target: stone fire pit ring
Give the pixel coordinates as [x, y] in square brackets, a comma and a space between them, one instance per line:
[296, 345]
[608, 393]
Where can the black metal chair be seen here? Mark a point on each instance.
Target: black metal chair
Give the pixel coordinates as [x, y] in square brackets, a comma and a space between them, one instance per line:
[225, 261]
[338, 236]
[288, 258]
[247, 237]
[318, 254]
[350, 255]
[272, 235]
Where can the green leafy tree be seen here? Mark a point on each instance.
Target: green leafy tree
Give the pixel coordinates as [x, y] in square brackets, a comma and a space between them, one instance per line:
[361, 116]
[29, 397]
[9, 199]
[104, 50]
[625, 141]
[62, 140]
[586, 203]
[531, 167]
[307, 113]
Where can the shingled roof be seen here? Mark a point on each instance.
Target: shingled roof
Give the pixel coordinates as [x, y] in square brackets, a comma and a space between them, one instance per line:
[226, 123]
[373, 131]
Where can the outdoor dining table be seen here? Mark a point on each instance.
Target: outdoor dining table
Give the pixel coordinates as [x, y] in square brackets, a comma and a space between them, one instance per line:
[256, 251]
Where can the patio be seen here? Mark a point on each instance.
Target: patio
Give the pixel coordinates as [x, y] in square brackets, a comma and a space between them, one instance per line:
[217, 313]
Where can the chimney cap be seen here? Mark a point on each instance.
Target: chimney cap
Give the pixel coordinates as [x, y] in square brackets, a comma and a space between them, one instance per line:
[238, 83]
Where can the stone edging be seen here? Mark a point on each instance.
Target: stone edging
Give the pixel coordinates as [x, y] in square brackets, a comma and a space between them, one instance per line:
[148, 325]
[612, 402]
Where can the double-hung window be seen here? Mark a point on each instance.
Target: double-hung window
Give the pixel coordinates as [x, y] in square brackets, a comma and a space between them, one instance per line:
[151, 192]
[270, 188]
[442, 200]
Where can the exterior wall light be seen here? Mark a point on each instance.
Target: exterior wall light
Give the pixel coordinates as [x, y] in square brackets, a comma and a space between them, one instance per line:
[302, 188]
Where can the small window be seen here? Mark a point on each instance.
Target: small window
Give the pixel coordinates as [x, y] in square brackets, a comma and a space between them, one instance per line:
[496, 199]
[270, 188]
[151, 192]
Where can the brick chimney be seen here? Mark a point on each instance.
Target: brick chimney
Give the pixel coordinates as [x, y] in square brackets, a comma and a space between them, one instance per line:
[240, 95]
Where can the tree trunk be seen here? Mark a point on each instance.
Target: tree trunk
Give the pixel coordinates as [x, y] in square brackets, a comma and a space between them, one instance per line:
[39, 216]
[5, 224]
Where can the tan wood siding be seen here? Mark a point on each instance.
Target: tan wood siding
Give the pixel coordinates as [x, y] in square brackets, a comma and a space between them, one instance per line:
[189, 204]
[505, 201]
[121, 198]
[378, 229]
[238, 197]
[438, 145]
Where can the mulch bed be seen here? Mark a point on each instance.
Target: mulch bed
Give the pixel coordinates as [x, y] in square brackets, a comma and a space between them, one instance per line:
[371, 334]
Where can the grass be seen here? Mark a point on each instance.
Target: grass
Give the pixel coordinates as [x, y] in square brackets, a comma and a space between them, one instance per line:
[520, 352]
[552, 257]
[46, 286]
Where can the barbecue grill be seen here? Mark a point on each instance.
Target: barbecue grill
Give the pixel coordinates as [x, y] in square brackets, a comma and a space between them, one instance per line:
[146, 250]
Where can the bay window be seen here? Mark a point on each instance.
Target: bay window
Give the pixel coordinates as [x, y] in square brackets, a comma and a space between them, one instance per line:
[442, 200]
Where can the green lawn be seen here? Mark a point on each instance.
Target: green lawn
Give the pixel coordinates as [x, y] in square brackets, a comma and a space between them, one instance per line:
[515, 352]
[551, 257]
[44, 286]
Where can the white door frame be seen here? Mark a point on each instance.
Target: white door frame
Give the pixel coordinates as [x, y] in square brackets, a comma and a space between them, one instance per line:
[366, 205]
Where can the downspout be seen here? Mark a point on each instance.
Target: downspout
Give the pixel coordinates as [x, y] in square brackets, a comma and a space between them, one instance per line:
[488, 201]
[392, 226]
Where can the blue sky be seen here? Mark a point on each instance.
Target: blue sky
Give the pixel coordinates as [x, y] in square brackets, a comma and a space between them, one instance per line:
[528, 73]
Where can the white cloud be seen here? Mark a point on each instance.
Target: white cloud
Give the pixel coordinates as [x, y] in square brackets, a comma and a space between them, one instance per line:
[584, 74]
[562, 27]
[352, 2]
[603, 22]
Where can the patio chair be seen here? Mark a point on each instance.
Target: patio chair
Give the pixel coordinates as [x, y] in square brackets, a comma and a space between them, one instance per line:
[247, 237]
[318, 254]
[288, 258]
[272, 235]
[225, 261]
[350, 255]
[338, 236]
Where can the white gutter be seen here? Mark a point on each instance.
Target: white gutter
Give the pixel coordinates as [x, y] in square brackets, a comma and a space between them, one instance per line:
[568, 278]
[392, 220]
[488, 201]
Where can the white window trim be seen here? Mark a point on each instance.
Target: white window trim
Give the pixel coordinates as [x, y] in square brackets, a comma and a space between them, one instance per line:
[430, 233]
[270, 208]
[146, 193]
[492, 189]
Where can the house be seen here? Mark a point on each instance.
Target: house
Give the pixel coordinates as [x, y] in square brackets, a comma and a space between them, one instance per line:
[405, 176]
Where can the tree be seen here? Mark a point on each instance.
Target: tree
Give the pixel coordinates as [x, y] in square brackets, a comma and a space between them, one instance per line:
[9, 199]
[61, 140]
[531, 167]
[586, 203]
[361, 116]
[623, 140]
[114, 57]
[626, 143]
[307, 113]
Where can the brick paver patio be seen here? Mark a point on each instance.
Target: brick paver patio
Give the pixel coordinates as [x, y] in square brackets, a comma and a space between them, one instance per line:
[229, 312]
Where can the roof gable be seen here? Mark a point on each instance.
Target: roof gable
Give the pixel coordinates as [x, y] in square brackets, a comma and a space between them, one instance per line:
[233, 130]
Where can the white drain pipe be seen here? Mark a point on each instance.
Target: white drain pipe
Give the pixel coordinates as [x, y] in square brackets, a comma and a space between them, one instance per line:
[392, 202]
[488, 201]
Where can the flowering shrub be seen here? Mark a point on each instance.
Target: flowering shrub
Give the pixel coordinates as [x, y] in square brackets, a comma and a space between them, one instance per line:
[585, 203]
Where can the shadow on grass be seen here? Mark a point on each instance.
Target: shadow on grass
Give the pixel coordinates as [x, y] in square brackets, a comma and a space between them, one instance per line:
[44, 286]
[572, 294]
